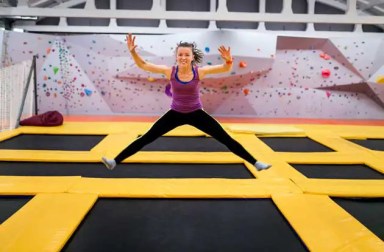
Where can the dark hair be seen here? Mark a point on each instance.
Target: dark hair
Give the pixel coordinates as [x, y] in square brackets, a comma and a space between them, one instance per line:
[197, 53]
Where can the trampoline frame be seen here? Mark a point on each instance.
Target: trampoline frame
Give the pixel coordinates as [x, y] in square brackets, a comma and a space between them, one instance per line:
[289, 190]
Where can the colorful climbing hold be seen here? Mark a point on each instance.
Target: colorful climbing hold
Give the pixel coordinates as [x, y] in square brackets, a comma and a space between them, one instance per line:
[325, 56]
[55, 70]
[380, 79]
[325, 73]
[88, 92]
[245, 91]
[242, 64]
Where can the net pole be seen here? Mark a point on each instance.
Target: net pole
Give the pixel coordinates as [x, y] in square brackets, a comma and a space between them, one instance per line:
[35, 85]
[31, 70]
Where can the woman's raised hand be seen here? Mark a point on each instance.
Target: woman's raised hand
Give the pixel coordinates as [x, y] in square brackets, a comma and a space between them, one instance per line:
[131, 42]
[225, 53]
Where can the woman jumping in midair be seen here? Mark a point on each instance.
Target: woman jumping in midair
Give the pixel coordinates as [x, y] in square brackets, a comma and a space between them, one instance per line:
[186, 107]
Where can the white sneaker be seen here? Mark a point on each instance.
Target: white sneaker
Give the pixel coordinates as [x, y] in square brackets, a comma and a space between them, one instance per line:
[261, 166]
[109, 163]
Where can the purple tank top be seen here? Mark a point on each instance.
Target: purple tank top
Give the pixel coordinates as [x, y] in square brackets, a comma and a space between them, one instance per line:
[185, 95]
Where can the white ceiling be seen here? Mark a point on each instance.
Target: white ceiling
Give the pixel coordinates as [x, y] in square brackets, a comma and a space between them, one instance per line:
[168, 16]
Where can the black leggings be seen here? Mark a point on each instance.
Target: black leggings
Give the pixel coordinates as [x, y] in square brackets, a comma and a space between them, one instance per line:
[199, 119]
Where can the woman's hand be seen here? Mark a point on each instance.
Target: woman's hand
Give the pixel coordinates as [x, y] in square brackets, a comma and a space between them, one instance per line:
[225, 53]
[131, 42]
[221, 68]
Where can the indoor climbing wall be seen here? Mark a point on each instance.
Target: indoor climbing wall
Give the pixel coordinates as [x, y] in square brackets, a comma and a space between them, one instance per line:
[272, 76]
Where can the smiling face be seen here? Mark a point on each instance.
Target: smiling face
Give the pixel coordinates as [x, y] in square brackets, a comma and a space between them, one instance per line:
[184, 56]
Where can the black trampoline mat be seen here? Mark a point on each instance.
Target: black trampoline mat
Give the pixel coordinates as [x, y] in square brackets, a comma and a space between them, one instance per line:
[338, 171]
[370, 212]
[198, 144]
[10, 205]
[126, 170]
[372, 143]
[184, 225]
[294, 144]
[51, 142]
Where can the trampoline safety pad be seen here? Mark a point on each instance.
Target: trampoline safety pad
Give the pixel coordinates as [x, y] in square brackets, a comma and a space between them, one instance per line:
[300, 187]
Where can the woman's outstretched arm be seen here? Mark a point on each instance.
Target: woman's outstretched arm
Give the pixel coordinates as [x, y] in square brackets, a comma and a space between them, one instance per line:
[215, 69]
[147, 66]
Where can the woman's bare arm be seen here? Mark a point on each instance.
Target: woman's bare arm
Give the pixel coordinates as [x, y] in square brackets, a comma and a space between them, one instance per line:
[216, 69]
[145, 65]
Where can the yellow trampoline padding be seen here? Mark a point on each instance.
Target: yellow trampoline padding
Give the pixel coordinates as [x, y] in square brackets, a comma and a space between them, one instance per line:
[357, 132]
[45, 223]
[378, 160]
[76, 128]
[113, 144]
[184, 130]
[184, 188]
[99, 128]
[49, 156]
[9, 134]
[343, 187]
[253, 144]
[279, 169]
[265, 129]
[322, 158]
[336, 143]
[27, 185]
[325, 226]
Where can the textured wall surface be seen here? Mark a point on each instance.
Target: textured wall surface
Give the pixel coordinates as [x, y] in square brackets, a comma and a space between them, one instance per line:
[296, 77]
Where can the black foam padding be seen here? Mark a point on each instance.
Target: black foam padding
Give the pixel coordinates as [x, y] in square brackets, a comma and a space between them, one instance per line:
[294, 144]
[338, 171]
[198, 144]
[372, 143]
[10, 205]
[368, 211]
[52, 142]
[126, 170]
[175, 225]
